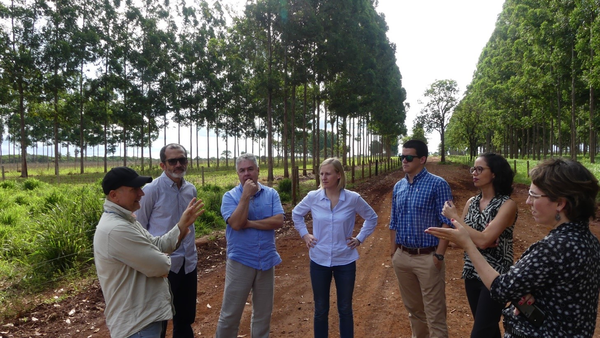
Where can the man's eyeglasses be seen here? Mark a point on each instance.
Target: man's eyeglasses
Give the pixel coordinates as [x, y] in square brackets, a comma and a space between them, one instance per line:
[408, 158]
[478, 170]
[535, 196]
[173, 161]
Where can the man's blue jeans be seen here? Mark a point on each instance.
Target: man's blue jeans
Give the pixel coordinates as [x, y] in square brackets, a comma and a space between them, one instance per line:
[320, 277]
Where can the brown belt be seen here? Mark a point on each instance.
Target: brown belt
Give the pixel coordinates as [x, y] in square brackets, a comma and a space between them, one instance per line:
[417, 251]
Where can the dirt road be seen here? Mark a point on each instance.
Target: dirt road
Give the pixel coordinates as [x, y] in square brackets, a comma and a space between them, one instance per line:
[378, 309]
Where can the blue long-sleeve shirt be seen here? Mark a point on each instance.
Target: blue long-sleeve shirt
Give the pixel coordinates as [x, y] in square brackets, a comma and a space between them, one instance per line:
[332, 228]
[161, 208]
[417, 206]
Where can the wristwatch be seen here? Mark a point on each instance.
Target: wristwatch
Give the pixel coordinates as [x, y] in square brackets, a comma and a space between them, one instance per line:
[438, 256]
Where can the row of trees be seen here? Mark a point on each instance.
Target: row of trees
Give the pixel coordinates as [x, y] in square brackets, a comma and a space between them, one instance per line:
[534, 90]
[106, 72]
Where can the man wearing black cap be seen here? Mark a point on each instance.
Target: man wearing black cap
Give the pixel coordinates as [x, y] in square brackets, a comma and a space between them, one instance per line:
[132, 265]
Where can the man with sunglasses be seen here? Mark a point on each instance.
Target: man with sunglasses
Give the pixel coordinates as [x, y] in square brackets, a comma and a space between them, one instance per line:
[417, 257]
[164, 200]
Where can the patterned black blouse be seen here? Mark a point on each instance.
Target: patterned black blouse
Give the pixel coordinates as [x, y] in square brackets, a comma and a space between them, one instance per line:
[562, 272]
[499, 257]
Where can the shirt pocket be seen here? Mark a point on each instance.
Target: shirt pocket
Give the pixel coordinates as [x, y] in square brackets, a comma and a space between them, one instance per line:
[260, 210]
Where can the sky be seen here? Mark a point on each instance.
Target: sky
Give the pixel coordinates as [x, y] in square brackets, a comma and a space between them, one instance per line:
[435, 40]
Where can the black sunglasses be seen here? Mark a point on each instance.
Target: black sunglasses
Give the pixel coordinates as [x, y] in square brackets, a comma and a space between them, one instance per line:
[408, 158]
[173, 161]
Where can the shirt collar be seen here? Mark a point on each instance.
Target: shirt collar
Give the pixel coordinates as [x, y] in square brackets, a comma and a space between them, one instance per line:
[321, 194]
[418, 176]
[113, 208]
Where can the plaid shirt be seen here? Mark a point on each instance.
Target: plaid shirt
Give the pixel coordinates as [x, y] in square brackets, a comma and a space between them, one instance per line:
[417, 206]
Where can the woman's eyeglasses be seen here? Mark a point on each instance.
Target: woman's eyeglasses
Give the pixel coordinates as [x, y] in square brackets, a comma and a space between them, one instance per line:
[173, 161]
[535, 196]
[478, 170]
[408, 158]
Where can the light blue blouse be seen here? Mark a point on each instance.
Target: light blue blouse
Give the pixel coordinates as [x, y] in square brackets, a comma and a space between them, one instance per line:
[332, 228]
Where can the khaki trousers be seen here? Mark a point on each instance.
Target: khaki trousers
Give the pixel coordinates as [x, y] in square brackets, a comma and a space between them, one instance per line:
[423, 291]
[240, 280]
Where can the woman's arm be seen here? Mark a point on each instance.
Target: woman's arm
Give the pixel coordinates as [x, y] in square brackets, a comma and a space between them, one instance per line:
[461, 236]
[487, 238]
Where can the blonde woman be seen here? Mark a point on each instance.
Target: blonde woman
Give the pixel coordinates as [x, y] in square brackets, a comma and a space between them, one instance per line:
[331, 246]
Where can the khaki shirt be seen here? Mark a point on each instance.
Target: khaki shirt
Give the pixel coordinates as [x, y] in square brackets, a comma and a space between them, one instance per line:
[131, 266]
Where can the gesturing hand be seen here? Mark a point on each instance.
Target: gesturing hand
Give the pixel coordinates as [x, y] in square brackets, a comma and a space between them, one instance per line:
[449, 210]
[458, 235]
[194, 209]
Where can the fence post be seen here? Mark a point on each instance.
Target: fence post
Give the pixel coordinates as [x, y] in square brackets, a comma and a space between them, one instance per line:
[363, 169]
[202, 170]
[294, 184]
[352, 174]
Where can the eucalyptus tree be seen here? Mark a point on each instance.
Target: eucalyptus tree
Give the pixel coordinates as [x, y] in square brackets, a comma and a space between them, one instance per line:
[148, 57]
[465, 127]
[59, 63]
[105, 87]
[386, 102]
[261, 19]
[442, 98]
[85, 41]
[20, 66]
[587, 44]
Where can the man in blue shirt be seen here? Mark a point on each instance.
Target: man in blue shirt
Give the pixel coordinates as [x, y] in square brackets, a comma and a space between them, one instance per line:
[165, 199]
[252, 212]
[417, 257]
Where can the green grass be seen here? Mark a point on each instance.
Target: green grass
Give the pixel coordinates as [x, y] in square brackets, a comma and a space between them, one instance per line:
[523, 166]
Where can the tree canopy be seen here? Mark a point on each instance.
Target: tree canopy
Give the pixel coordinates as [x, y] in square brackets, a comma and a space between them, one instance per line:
[107, 72]
[533, 93]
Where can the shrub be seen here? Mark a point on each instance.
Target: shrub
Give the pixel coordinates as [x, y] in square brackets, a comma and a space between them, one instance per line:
[208, 222]
[31, 184]
[61, 244]
[285, 197]
[52, 199]
[211, 188]
[21, 199]
[212, 201]
[285, 186]
[7, 184]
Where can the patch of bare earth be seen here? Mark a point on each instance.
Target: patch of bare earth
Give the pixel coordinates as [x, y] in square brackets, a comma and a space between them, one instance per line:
[378, 308]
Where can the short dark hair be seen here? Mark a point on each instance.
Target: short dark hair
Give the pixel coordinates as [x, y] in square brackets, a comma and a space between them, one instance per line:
[568, 179]
[419, 146]
[163, 150]
[503, 173]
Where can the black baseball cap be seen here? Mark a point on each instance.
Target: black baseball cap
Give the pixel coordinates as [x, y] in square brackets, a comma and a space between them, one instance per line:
[123, 176]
